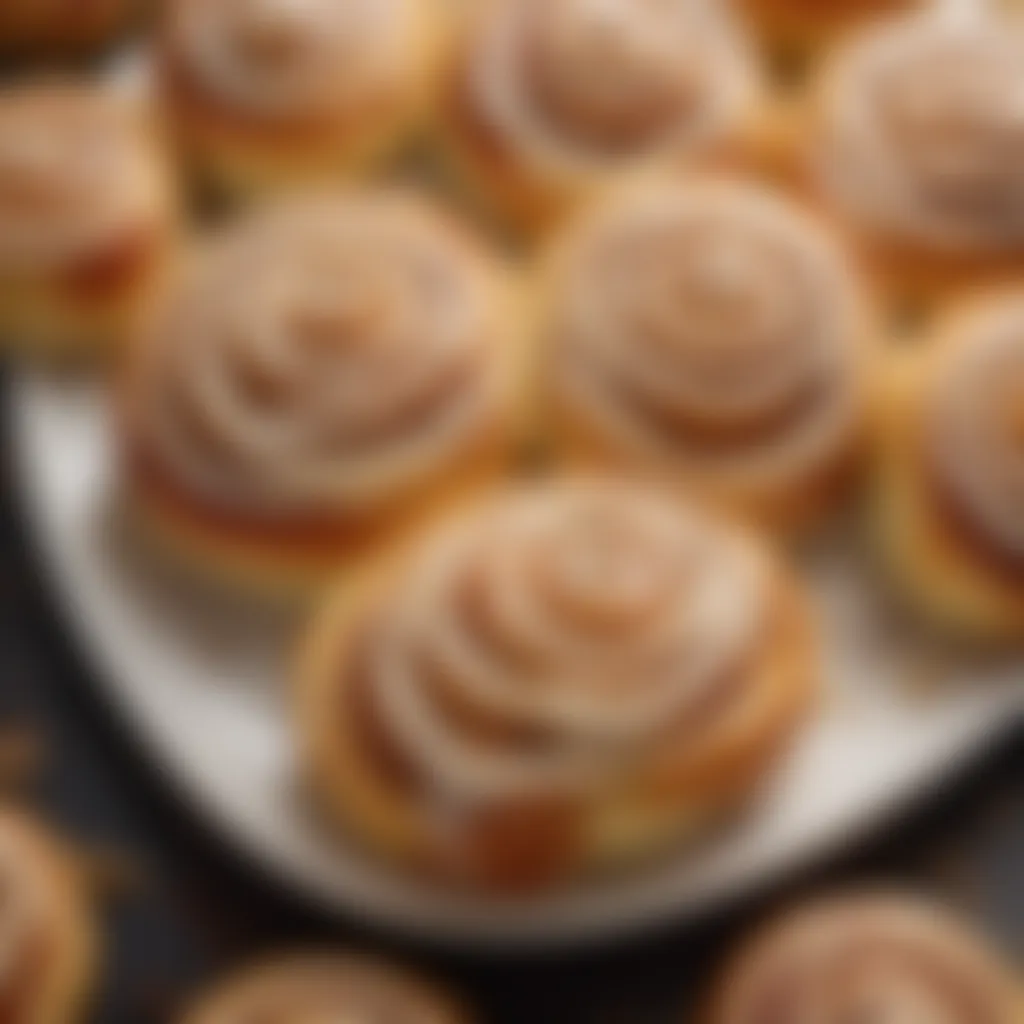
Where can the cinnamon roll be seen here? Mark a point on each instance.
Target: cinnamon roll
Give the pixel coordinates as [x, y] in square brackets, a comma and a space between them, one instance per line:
[918, 147]
[952, 496]
[87, 218]
[323, 375]
[549, 98]
[268, 94]
[560, 682]
[321, 987]
[48, 945]
[47, 27]
[878, 957]
[710, 333]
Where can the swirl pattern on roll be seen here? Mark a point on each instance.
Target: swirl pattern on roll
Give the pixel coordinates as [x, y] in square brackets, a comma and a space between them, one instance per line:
[549, 644]
[575, 84]
[923, 132]
[707, 328]
[975, 425]
[324, 359]
[875, 957]
[292, 59]
[76, 174]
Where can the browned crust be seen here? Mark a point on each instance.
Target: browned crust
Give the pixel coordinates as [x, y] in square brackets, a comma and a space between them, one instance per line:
[296, 554]
[813, 23]
[198, 113]
[91, 307]
[921, 276]
[123, 263]
[790, 506]
[485, 162]
[91, 301]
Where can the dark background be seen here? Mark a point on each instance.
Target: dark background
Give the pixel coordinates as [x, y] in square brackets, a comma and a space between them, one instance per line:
[197, 910]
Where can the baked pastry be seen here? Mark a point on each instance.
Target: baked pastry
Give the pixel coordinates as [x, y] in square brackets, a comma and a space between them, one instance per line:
[562, 681]
[952, 497]
[87, 218]
[711, 333]
[48, 27]
[48, 944]
[918, 148]
[547, 99]
[267, 94]
[321, 987]
[323, 375]
[869, 956]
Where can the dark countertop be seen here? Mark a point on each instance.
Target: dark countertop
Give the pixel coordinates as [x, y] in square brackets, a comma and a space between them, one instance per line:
[199, 910]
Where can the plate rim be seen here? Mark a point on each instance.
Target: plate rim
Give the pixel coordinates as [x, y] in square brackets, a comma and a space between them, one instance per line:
[581, 929]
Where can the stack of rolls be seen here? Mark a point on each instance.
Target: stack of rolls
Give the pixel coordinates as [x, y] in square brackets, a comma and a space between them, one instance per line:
[335, 390]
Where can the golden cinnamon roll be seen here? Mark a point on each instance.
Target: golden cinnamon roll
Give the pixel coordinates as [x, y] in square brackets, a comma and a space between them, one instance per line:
[878, 957]
[952, 500]
[710, 333]
[273, 93]
[48, 945]
[567, 679]
[918, 147]
[549, 98]
[323, 375]
[327, 988]
[33, 27]
[87, 217]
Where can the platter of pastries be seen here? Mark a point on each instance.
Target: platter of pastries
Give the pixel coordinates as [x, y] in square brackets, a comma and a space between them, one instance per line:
[534, 469]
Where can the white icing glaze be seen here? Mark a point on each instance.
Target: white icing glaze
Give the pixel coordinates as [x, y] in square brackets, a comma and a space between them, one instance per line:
[579, 85]
[323, 358]
[293, 58]
[693, 314]
[592, 617]
[924, 131]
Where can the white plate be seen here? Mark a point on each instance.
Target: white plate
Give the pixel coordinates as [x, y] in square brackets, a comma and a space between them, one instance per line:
[200, 682]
